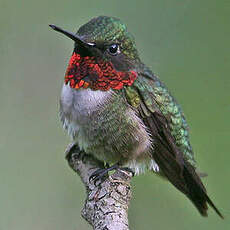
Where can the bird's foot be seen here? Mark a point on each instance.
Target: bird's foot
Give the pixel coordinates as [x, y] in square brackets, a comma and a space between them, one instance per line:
[101, 173]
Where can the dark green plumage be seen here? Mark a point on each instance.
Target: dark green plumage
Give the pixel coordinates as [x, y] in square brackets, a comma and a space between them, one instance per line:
[109, 30]
[157, 98]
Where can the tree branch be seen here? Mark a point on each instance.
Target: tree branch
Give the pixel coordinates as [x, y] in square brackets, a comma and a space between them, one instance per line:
[107, 202]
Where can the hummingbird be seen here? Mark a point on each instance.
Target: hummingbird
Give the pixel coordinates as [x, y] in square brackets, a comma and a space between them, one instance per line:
[117, 110]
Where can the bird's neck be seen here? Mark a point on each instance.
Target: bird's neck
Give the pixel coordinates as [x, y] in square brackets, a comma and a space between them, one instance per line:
[91, 72]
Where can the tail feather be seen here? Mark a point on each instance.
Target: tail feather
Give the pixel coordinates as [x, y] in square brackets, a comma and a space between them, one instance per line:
[184, 177]
[197, 192]
[174, 166]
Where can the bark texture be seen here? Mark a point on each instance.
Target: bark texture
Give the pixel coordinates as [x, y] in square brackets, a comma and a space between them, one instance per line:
[107, 201]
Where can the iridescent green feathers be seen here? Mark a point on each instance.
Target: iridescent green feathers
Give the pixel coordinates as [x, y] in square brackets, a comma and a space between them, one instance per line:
[109, 30]
[158, 99]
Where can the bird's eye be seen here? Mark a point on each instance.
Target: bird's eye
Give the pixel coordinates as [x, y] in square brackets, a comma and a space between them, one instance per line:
[114, 49]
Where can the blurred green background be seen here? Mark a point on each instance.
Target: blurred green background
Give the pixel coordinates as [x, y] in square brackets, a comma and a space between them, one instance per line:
[186, 42]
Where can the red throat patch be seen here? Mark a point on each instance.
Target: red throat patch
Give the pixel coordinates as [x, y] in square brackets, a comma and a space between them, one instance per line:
[84, 72]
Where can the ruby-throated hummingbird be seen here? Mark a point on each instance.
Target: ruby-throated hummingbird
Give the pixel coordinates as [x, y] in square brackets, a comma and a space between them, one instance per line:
[115, 108]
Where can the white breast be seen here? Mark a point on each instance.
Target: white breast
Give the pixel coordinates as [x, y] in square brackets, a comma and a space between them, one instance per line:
[77, 106]
[80, 104]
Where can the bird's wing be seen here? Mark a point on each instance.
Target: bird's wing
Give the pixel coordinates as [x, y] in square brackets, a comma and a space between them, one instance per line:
[157, 109]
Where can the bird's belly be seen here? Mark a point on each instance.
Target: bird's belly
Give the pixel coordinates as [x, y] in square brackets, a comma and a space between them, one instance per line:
[103, 124]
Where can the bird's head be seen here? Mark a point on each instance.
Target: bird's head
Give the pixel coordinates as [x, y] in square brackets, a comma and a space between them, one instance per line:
[104, 56]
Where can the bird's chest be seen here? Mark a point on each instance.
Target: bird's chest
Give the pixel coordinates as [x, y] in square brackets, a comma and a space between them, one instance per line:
[81, 105]
[102, 123]
[81, 109]
[86, 113]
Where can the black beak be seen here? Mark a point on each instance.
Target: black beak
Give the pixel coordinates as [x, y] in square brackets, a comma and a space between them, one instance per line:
[72, 36]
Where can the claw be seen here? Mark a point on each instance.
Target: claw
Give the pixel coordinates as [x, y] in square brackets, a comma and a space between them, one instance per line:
[97, 175]
[100, 173]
